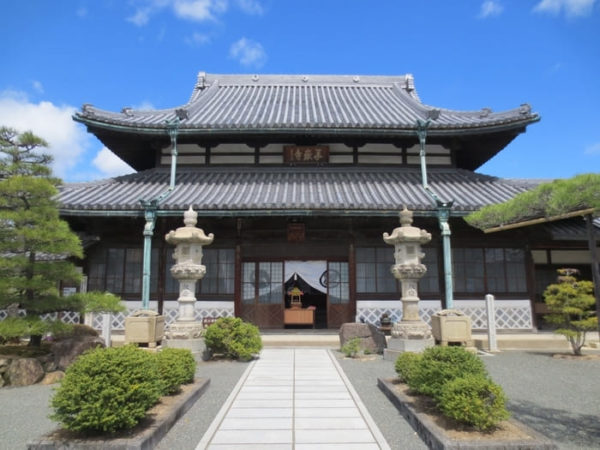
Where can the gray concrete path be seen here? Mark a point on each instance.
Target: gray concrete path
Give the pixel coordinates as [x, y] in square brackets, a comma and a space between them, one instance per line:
[293, 399]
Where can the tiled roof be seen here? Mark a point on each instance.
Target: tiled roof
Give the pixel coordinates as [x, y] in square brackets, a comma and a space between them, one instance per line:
[571, 229]
[355, 190]
[297, 102]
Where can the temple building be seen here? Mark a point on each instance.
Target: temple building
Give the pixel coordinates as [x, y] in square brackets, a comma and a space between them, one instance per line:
[298, 177]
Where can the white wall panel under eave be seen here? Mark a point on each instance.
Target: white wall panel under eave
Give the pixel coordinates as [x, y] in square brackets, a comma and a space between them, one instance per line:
[184, 159]
[231, 148]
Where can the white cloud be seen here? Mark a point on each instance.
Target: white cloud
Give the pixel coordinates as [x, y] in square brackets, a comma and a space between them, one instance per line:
[197, 39]
[110, 164]
[141, 17]
[593, 149]
[490, 8]
[571, 8]
[252, 7]
[195, 10]
[199, 10]
[144, 106]
[37, 85]
[249, 53]
[67, 140]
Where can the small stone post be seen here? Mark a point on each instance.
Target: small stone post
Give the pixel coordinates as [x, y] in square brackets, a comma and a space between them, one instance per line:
[491, 323]
[106, 328]
[411, 333]
[186, 332]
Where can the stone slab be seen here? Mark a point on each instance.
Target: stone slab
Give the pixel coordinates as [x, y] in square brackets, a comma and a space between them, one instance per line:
[146, 439]
[196, 346]
[396, 346]
[435, 438]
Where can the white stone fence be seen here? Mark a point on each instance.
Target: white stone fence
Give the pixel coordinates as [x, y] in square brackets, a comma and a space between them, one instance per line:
[117, 321]
[510, 314]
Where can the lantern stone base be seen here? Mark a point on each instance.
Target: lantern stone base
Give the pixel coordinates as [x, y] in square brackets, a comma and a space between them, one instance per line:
[408, 336]
[187, 335]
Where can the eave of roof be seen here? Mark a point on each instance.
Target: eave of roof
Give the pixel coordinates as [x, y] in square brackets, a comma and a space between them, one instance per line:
[289, 191]
[288, 104]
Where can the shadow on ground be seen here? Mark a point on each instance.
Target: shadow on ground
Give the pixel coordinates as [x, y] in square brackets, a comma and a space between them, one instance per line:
[561, 426]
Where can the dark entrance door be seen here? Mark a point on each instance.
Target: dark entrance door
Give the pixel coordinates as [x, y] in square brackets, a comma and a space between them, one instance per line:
[337, 280]
[308, 276]
[262, 294]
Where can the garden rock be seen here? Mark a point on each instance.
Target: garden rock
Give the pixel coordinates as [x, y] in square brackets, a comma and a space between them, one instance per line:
[371, 339]
[24, 372]
[67, 350]
[53, 377]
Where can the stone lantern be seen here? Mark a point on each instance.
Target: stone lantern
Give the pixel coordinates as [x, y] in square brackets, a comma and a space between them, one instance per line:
[411, 333]
[186, 332]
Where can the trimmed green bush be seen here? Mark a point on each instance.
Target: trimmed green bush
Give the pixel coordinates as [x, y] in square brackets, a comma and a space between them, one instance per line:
[474, 400]
[406, 365]
[233, 338]
[106, 390]
[439, 365]
[176, 366]
[351, 348]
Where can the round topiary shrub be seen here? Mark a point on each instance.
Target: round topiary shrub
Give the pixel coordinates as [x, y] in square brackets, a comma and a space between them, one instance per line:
[106, 390]
[474, 400]
[176, 366]
[439, 365]
[406, 365]
[233, 338]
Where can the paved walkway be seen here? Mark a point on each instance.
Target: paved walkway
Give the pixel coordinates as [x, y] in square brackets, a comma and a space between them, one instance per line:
[293, 399]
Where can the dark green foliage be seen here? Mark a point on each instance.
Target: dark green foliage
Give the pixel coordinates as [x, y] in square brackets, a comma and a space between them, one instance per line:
[406, 365]
[36, 246]
[233, 338]
[14, 328]
[474, 400]
[176, 366]
[106, 390]
[571, 305]
[96, 302]
[74, 331]
[439, 365]
[546, 200]
[25, 351]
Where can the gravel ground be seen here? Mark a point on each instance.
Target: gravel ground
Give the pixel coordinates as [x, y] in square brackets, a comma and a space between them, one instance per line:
[363, 374]
[24, 415]
[188, 430]
[559, 398]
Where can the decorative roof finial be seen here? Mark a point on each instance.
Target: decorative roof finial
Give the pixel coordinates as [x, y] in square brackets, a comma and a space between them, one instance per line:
[406, 217]
[190, 217]
[201, 84]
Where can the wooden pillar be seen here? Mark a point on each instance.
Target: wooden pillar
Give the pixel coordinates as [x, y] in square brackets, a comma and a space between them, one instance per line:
[352, 280]
[237, 290]
[530, 278]
[595, 267]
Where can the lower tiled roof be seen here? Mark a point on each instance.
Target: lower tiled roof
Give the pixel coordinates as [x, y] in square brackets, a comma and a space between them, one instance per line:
[261, 190]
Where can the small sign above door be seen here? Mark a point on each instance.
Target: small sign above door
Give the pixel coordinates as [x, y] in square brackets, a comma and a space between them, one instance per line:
[306, 154]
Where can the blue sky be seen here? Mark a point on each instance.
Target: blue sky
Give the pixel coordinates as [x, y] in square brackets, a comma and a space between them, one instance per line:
[464, 54]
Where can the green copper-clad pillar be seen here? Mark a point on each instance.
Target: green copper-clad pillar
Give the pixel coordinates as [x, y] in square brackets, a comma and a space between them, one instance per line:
[442, 208]
[151, 208]
[150, 216]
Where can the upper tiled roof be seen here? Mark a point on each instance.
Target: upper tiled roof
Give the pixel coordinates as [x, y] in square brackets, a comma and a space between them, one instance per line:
[300, 102]
[288, 190]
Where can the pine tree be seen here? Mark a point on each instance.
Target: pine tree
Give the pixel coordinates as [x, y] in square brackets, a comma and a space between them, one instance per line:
[571, 304]
[36, 246]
